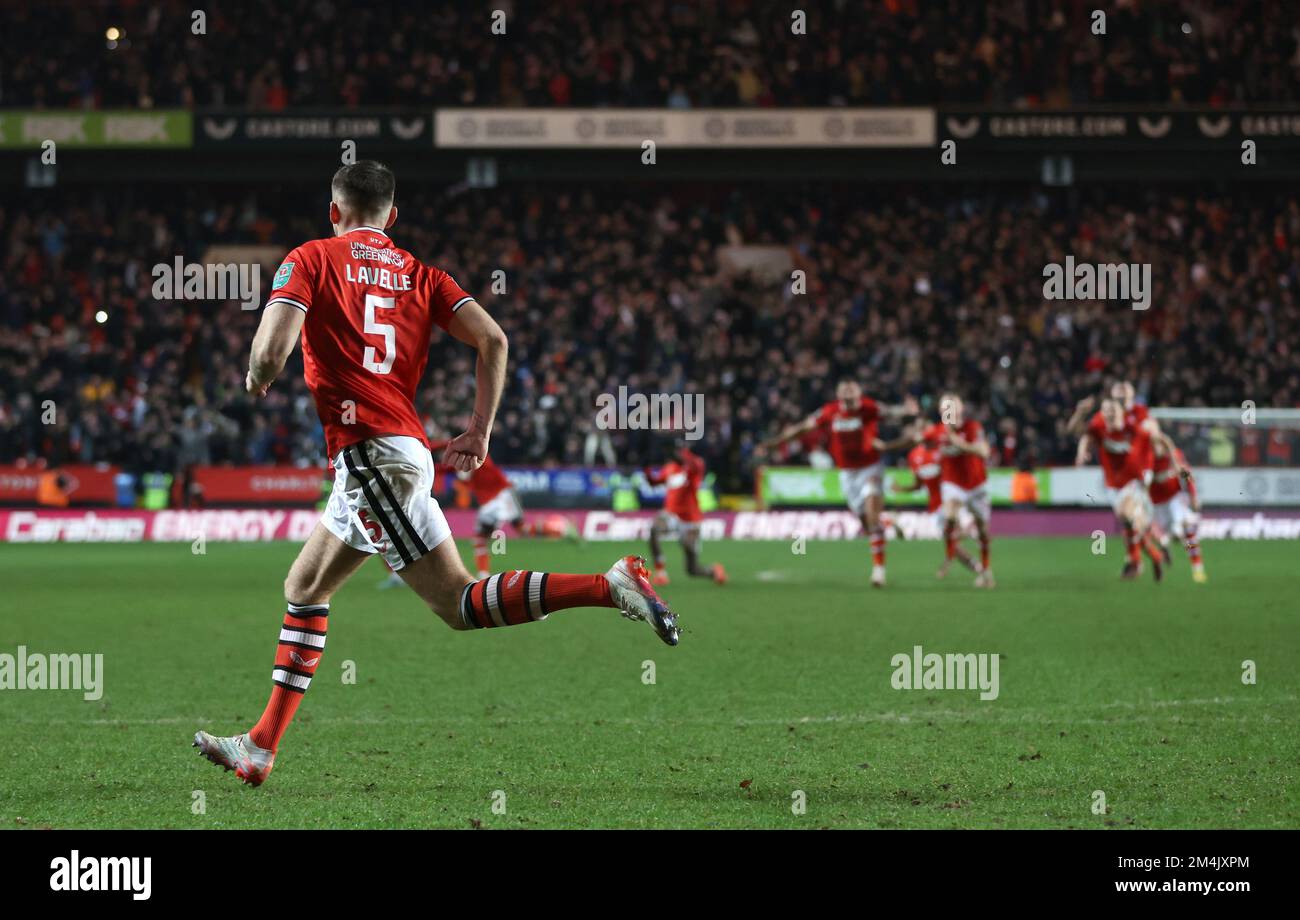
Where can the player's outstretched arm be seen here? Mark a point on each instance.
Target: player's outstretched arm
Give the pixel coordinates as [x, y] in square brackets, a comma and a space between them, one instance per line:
[473, 326]
[1175, 458]
[1083, 451]
[1189, 483]
[1077, 423]
[897, 486]
[789, 433]
[276, 335]
[908, 407]
[908, 438]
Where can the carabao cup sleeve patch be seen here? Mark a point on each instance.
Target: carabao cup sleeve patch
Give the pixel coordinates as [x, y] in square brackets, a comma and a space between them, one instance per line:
[282, 276]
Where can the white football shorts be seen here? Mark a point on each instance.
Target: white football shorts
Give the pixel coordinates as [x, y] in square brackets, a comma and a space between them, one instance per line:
[859, 484]
[382, 501]
[504, 508]
[1136, 491]
[1176, 515]
[673, 527]
[977, 501]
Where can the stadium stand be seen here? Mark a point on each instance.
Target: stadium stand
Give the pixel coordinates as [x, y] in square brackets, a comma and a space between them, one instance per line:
[908, 288]
[299, 53]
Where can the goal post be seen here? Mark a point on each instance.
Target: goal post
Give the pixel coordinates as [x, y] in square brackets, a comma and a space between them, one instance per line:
[1243, 436]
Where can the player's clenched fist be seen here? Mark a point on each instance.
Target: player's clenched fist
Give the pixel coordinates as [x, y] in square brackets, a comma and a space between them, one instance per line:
[251, 387]
[466, 452]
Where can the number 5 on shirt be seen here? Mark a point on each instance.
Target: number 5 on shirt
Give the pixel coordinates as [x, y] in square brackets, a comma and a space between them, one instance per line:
[374, 327]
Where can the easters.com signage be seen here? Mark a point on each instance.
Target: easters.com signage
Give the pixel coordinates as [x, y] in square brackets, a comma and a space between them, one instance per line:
[219, 128]
[1097, 129]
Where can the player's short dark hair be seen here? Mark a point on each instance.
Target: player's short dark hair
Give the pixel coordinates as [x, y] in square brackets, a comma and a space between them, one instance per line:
[366, 186]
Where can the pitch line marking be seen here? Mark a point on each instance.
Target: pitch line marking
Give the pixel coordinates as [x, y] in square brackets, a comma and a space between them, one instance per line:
[1049, 716]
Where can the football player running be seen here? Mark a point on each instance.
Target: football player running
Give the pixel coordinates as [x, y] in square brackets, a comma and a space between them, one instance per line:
[366, 310]
[926, 464]
[1176, 503]
[850, 423]
[963, 452]
[1124, 445]
[681, 515]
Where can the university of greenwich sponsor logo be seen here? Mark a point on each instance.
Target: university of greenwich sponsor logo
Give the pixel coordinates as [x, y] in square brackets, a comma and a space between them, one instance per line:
[387, 256]
[103, 873]
[923, 670]
[37, 671]
[1100, 281]
[626, 411]
[181, 280]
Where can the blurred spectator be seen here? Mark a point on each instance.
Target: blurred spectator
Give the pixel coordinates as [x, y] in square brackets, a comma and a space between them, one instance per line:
[300, 53]
[910, 289]
[1024, 487]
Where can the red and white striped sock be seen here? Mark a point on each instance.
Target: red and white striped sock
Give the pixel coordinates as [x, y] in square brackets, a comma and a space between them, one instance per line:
[878, 545]
[302, 643]
[514, 598]
[1193, 546]
[1132, 545]
[482, 561]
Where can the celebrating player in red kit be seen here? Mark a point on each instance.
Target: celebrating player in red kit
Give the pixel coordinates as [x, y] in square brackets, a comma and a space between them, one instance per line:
[1177, 506]
[850, 422]
[963, 483]
[926, 463]
[1124, 443]
[681, 515]
[366, 311]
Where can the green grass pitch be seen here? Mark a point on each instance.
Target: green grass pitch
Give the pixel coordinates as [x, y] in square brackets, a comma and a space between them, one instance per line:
[781, 685]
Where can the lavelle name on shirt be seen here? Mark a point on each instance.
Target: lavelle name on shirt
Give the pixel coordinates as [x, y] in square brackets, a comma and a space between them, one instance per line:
[377, 277]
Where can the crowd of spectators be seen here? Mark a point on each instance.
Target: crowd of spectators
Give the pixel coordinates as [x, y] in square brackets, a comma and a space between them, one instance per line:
[675, 53]
[909, 289]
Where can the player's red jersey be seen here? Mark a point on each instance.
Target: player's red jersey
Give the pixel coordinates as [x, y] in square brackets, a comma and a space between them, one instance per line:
[485, 483]
[1165, 481]
[851, 432]
[1125, 454]
[371, 308]
[1137, 415]
[925, 462]
[956, 466]
[682, 477]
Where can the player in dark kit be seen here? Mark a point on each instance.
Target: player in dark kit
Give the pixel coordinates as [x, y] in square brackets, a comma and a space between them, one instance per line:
[366, 311]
